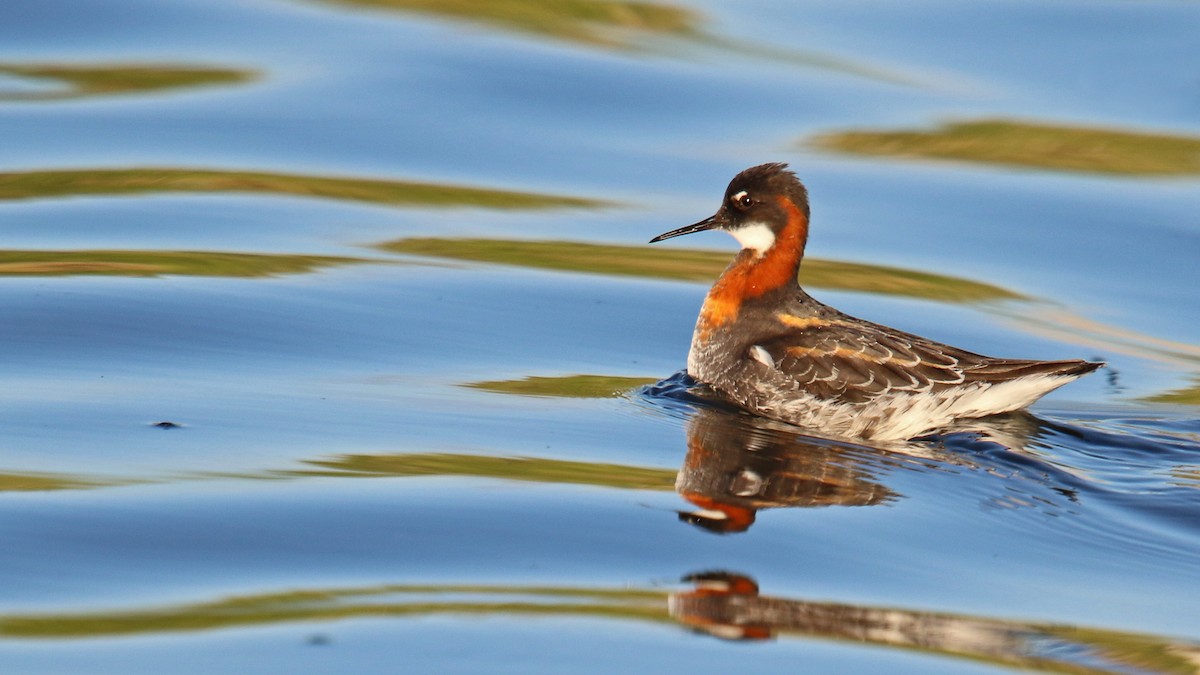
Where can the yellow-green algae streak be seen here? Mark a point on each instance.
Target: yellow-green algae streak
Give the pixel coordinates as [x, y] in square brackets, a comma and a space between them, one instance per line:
[39, 482]
[532, 469]
[386, 601]
[156, 263]
[567, 386]
[397, 465]
[637, 27]
[593, 22]
[695, 265]
[1183, 396]
[111, 182]
[611, 24]
[1030, 145]
[84, 81]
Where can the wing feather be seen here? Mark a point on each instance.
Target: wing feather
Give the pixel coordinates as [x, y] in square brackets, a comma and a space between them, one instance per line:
[858, 361]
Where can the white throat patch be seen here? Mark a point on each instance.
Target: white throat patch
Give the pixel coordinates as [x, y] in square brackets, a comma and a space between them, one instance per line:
[757, 237]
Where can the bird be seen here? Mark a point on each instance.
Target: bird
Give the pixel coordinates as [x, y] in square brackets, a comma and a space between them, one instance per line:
[769, 347]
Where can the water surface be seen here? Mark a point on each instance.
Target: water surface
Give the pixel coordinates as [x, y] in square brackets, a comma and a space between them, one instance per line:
[331, 341]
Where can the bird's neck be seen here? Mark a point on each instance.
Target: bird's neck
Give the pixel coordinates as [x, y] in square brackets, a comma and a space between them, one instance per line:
[754, 274]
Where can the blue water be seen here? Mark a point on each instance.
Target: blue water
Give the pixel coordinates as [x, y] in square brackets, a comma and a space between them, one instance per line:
[336, 499]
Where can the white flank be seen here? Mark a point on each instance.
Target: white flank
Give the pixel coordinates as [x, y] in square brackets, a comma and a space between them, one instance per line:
[1007, 396]
[757, 237]
[906, 414]
[922, 412]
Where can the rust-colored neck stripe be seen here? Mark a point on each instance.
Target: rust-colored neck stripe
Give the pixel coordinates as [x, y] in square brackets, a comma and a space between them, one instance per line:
[752, 275]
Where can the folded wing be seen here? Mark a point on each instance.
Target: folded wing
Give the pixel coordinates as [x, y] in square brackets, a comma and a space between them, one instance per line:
[857, 361]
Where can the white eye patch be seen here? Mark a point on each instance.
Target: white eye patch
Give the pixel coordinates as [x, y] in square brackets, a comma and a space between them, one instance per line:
[757, 237]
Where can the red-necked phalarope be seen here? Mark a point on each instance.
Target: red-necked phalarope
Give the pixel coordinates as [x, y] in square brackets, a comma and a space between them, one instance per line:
[774, 350]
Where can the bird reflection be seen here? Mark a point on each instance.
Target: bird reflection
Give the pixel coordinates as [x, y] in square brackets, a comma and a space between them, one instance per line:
[728, 606]
[738, 464]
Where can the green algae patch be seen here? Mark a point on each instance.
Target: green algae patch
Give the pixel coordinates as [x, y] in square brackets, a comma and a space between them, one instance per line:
[1186, 476]
[1183, 396]
[158, 263]
[569, 386]
[1030, 145]
[567, 256]
[1138, 653]
[117, 182]
[85, 81]
[603, 23]
[695, 265]
[530, 469]
[38, 482]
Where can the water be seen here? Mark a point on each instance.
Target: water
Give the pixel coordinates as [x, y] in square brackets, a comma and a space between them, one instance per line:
[450, 461]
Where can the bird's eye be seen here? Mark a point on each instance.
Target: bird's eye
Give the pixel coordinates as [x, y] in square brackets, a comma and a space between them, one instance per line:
[745, 200]
[742, 200]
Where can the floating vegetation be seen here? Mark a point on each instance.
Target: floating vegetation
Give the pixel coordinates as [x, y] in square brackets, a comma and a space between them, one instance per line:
[1184, 396]
[157, 263]
[1030, 145]
[569, 386]
[532, 469]
[595, 22]
[695, 265]
[1187, 476]
[78, 182]
[83, 81]
[39, 482]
